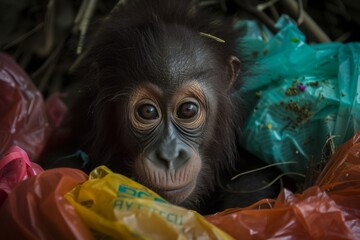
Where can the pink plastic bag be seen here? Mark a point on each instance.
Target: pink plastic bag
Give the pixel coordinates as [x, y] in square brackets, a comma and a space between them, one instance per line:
[15, 166]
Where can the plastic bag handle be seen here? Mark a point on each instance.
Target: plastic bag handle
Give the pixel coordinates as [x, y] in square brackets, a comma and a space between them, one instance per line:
[16, 153]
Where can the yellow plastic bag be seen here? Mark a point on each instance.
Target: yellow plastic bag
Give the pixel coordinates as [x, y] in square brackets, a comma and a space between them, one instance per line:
[115, 206]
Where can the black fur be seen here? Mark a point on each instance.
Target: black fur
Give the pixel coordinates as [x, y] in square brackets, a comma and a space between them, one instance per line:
[128, 49]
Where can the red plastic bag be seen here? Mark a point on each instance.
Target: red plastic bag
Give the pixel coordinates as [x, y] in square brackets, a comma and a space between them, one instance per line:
[15, 167]
[23, 120]
[37, 209]
[329, 210]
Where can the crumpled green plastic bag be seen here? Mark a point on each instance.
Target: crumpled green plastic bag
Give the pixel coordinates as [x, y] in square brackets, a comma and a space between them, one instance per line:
[300, 95]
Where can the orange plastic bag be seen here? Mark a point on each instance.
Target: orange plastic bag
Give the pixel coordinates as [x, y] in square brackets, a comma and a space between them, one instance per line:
[23, 119]
[329, 210]
[37, 209]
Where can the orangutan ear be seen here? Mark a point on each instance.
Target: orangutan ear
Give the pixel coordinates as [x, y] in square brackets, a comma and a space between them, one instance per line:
[234, 70]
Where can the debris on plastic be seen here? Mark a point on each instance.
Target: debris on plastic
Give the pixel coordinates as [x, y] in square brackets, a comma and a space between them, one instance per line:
[306, 93]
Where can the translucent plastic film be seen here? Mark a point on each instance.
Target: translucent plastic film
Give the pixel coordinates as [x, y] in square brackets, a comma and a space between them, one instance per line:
[328, 210]
[23, 119]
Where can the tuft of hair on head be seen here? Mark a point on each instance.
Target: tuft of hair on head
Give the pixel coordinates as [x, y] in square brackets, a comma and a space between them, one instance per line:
[212, 26]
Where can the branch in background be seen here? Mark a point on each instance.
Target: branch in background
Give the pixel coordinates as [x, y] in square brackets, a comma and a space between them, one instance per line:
[300, 14]
[45, 47]
[309, 25]
[24, 36]
[261, 16]
[82, 21]
[262, 6]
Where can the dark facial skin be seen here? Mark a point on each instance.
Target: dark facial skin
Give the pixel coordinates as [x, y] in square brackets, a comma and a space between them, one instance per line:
[161, 108]
[169, 127]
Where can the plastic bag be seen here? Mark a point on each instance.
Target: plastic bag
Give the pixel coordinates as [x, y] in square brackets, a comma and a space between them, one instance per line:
[329, 210]
[37, 209]
[300, 95]
[15, 167]
[23, 120]
[116, 207]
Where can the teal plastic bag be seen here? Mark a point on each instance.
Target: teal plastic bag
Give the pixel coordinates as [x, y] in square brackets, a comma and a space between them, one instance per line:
[301, 96]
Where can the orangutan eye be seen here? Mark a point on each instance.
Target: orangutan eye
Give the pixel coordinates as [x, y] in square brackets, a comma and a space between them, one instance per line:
[147, 112]
[187, 110]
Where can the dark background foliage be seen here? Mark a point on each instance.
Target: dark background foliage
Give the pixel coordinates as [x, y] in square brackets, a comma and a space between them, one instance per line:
[46, 36]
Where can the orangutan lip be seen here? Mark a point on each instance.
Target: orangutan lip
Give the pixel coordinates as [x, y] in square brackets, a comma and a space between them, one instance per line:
[178, 189]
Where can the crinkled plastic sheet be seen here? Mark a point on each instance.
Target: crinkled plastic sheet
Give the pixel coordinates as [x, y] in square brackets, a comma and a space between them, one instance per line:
[23, 120]
[328, 210]
[116, 207]
[15, 166]
[300, 95]
[103, 205]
